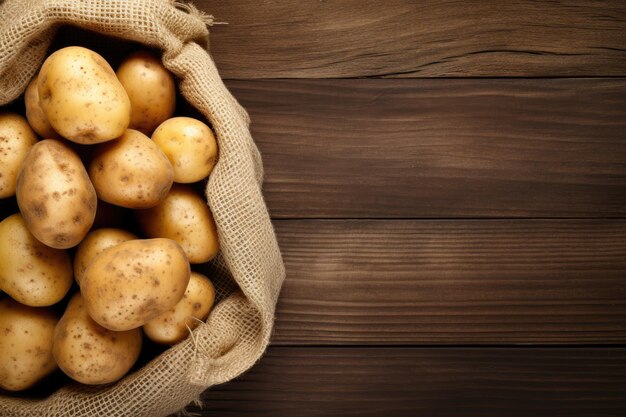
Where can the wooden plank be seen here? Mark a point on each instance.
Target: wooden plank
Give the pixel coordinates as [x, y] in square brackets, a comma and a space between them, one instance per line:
[434, 382]
[452, 282]
[406, 38]
[440, 148]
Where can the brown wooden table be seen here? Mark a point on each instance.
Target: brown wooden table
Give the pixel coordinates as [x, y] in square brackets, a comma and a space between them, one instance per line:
[448, 184]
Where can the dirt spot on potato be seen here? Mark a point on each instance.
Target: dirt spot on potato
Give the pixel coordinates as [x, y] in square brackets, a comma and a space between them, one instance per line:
[87, 134]
[61, 238]
[150, 308]
[39, 210]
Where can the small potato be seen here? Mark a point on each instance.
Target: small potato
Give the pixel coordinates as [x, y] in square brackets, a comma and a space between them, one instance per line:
[26, 336]
[89, 353]
[31, 272]
[94, 244]
[131, 171]
[151, 90]
[55, 196]
[16, 139]
[129, 284]
[82, 97]
[173, 326]
[190, 146]
[35, 115]
[185, 217]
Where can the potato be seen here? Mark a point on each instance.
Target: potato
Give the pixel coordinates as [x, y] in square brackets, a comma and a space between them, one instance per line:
[131, 171]
[130, 284]
[82, 97]
[151, 90]
[96, 242]
[190, 146]
[31, 273]
[34, 113]
[16, 139]
[183, 216]
[55, 196]
[26, 335]
[89, 353]
[173, 326]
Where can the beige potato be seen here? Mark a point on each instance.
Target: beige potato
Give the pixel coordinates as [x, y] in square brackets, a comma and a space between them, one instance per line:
[89, 353]
[185, 217]
[131, 283]
[190, 146]
[173, 326]
[34, 113]
[26, 336]
[151, 90]
[82, 97]
[96, 242]
[31, 272]
[16, 139]
[131, 171]
[55, 196]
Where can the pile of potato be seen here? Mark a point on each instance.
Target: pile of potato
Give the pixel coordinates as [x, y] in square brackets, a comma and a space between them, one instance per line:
[95, 154]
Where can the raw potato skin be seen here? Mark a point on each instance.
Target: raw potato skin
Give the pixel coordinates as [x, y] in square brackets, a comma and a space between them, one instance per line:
[131, 171]
[31, 272]
[26, 336]
[190, 146]
[89, 353]
[82, 97]
[55, 195]
[131, 283]
[34, 113]
[151, 90]
[185, 217]
[16, 139]
[96, 242]
[174, 325]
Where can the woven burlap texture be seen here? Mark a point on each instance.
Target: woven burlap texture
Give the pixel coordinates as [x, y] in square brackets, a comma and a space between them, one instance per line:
[248, 272]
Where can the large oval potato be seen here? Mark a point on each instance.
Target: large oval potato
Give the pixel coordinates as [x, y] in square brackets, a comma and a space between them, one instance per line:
[130, 284]
[81, 96]
[16, 139]
[151, 90]
[55, 196]
[190, 146]
[89, 353]
[26, 337]
[174, 325]
[34, 113]
[185, 217]
[96, 242]
[131, 171]
[31, 272]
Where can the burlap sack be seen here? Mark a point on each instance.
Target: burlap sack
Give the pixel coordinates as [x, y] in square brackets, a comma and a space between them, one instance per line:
[248, 272]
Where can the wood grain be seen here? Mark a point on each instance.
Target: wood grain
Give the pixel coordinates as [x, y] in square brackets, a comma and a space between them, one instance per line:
[406, 38]
[452, 282]
[363, 382]
[440, 148]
